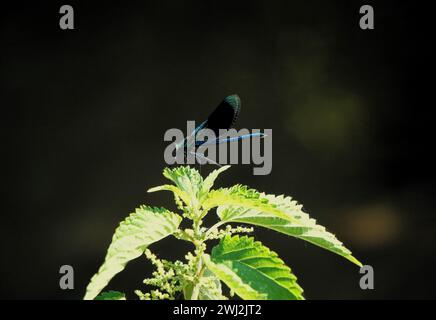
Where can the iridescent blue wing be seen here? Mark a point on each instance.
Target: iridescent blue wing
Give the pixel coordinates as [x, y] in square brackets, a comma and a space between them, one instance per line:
[231, 139]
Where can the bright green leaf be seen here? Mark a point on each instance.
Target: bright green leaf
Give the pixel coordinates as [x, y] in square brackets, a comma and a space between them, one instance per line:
[300, 225]
[242, 196]
[210, 180]
[111, 295]
[252, 271]
[188, 180]
[185, 178]
[186, 198]
[143, 227]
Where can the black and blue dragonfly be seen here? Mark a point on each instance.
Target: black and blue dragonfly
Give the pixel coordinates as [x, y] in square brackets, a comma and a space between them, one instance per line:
[223, 117]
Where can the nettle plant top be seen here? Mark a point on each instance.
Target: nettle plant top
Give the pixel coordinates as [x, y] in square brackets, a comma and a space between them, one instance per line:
[246, 266]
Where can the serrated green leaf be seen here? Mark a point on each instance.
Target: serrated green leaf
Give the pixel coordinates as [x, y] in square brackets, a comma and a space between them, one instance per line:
[300, 226]
[180, 193]
[140, 229]
[210, 179]
[111, 295]
[242, 196]
[185, 178]
[189, 184]
[252, 271]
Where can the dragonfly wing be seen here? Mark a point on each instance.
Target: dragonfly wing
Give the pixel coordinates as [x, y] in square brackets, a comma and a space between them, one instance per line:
[232, 139]
[225, 115]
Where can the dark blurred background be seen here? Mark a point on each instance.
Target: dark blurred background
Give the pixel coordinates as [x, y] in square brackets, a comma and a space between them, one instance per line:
[84, 112]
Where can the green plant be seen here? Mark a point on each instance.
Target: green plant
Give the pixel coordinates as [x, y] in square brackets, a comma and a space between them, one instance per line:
[246, 266]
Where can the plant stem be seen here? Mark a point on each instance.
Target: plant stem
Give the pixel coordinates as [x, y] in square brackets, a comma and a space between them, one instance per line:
[198, 242]
[196, 290]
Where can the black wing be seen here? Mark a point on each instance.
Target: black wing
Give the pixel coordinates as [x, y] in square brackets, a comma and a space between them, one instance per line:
[225, 115]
